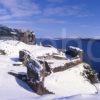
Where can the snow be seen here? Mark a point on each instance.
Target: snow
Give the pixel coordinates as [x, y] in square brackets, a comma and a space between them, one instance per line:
[9, 86]
[13, 47]
[14, 33]
[69, 84]
[76, 48]
[64, 84]
[55, 63]
[33, 33]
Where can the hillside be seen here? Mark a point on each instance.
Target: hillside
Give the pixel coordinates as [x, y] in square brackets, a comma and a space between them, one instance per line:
[65, 84]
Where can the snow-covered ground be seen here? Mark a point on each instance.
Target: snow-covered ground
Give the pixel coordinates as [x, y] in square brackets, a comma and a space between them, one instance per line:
[13, 47]
[69, 84]
[11, 88]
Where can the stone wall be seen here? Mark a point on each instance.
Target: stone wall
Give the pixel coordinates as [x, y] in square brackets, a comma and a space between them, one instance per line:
[67, 66]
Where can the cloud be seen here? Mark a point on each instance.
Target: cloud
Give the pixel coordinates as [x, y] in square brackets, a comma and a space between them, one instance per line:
[64, 11]
[5, 17]
[50, 21]
[4, 14]
[14, 22]
[21, 7]
[25, 8]
[3, 11]
[16, 12]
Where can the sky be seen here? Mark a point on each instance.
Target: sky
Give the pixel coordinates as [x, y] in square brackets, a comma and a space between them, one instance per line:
[53, 18]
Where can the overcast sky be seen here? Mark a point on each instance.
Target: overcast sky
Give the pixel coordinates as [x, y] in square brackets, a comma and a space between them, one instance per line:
[53, 18]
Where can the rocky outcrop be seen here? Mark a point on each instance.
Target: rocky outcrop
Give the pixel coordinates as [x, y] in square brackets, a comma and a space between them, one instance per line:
[76, 56]
[74, 52]
[90, 74]
[38, 70]
[7, 33]
[35, 72]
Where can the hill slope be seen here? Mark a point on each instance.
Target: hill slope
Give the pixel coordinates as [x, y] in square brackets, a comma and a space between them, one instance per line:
[63, 84]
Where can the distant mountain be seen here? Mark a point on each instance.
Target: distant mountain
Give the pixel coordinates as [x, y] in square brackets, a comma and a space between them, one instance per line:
[5, 30]
[84, 38]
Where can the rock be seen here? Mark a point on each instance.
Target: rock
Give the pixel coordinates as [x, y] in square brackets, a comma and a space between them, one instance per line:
[36, 70]
[23, 55]
[2, 52]
[90, 74]
[37, 87]
[74, 52]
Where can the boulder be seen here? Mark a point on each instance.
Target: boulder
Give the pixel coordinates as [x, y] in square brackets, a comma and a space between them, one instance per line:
[23, 54]
[2, 52]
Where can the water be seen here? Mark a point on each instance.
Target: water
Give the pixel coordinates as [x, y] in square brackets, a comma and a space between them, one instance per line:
[91, 48]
